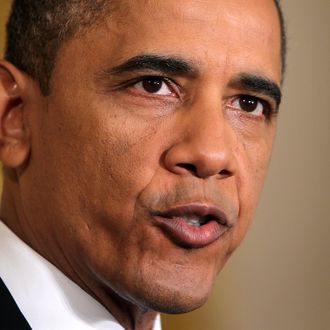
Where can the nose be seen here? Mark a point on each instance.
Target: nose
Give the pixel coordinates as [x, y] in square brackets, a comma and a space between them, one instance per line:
[206, 146]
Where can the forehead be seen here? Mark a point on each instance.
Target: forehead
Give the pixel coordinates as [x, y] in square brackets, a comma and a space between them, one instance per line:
[226, 34]
[236, 14]
[197, 10]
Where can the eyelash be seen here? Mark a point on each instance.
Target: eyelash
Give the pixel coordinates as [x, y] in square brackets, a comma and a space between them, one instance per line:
[172, 85]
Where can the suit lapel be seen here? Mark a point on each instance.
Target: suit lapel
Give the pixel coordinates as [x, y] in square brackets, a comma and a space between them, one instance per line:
[10, 315]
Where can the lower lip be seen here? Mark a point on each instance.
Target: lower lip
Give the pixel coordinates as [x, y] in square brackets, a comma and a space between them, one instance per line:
[190, 236]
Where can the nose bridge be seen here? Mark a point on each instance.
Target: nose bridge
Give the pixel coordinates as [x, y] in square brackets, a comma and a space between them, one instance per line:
[208, 141]
[208, 131]
[210, 136]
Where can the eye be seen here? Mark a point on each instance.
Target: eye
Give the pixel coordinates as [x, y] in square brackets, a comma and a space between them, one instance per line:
[251, 104]
[156, 86]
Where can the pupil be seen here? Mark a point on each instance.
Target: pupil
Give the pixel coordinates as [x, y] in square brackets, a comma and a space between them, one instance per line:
[248, 103]
[152, 85]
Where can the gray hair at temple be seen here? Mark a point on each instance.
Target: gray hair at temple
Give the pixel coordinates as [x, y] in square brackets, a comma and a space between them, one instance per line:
[36, 30]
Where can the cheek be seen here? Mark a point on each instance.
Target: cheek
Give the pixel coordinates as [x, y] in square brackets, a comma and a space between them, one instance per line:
[253, 163]
[99, 161]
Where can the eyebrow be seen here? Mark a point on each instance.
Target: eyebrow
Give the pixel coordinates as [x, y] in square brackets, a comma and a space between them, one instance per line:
[165, 64]
[178, 66]
[258, 84]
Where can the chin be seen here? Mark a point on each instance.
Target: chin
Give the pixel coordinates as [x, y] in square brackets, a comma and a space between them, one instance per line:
[170, 297]
[174, 304]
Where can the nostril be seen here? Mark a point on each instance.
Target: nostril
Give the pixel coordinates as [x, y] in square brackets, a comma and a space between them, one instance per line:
[193, 169]
[225, 173]
[188, 167]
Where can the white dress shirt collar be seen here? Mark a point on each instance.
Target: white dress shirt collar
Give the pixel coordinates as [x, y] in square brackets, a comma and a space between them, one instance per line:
[47, 298]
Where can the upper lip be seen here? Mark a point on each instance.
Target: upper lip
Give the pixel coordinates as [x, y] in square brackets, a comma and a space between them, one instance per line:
[197, 209]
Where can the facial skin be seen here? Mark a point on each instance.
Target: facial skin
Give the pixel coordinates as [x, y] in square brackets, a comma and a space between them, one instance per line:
[100, 156]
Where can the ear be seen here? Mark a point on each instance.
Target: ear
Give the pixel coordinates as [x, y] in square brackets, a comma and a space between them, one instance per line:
[14, 134]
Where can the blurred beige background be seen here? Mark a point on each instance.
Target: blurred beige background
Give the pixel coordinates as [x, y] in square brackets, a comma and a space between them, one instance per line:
[280, 277]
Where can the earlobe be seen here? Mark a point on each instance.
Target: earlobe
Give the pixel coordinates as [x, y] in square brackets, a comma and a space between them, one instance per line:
[14, 135]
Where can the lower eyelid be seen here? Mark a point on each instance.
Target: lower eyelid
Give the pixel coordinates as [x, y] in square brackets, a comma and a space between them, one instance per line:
[138, 96]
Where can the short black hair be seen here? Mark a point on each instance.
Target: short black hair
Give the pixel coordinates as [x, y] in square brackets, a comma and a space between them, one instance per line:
[283, 35]
[36, 30]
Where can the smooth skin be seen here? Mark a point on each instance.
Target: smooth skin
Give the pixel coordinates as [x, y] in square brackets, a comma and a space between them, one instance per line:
[87, 165]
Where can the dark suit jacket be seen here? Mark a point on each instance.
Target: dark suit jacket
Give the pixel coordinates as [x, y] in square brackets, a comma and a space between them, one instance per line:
[11, 318]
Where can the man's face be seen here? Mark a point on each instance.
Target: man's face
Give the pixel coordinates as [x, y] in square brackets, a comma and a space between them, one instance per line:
[149, 154]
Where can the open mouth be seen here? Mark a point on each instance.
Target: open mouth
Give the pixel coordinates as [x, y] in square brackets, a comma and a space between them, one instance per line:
[196, 221]
[193, 219]
[193, 225]
[196, 214]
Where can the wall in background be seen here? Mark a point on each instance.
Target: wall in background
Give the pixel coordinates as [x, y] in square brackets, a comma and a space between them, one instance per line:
[4, 8]
[279, 278]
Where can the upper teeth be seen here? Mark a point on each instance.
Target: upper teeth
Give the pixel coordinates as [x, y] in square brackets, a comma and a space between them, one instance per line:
[195, 221]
